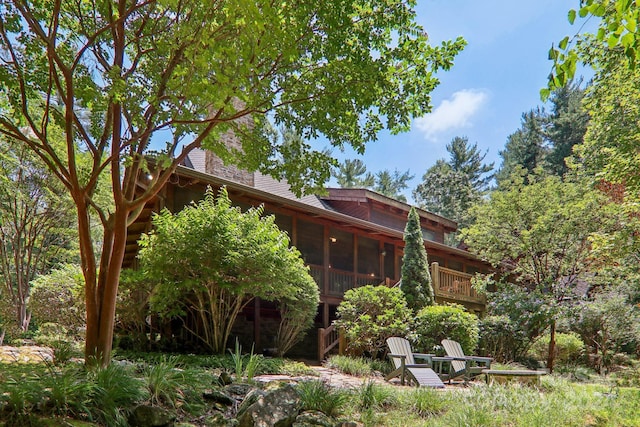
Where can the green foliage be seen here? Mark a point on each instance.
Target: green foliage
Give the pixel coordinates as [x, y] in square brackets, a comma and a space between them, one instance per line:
[375, 396]
[133, 306]
[358, 366]
[608, 154]
[503, 338]
[566, 126]
[240, 255]
[164, 381]
[115, 389]
[449, 188]
[353, 174]
[416, 278]
[36, 227]
[67, 391]
[371, 314]
[606, 324]
[297, 310]
[435, 323]
[58, 298]
[245, 366]
[616, 36]
[569, 348]
[517, 317]
[423, 402]
[540, 234]
[319, 396]
[20, 395]
[350, 175]
[525, 150]
[546, 139]
[391, 184]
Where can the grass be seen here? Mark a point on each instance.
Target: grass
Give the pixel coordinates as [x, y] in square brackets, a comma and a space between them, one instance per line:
[358, 366]
[31, 392]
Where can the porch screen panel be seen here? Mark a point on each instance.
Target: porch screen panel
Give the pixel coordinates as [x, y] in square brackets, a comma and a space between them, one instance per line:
[284, 223]
[341, 276]
[310, 237]
[389, 261]
[368, 256]
[341, 250]
[437, 259]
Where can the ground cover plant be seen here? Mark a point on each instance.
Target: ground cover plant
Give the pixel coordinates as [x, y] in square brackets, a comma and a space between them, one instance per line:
[32, 393]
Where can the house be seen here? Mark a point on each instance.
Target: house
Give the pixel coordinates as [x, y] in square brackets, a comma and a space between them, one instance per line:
[348, 238]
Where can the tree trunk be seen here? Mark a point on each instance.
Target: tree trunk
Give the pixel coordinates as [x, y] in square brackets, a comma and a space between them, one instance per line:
[552, 347]
[24, 318]
[102, 292]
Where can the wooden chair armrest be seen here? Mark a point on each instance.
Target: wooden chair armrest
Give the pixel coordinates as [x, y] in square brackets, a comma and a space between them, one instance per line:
[423, 355]
[400, 356]
[481, 359]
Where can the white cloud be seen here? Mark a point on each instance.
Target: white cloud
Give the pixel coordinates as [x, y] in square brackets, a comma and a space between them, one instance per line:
[453, 113]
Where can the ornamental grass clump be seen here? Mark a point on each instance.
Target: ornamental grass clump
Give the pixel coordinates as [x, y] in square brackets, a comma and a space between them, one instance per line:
[318, 396]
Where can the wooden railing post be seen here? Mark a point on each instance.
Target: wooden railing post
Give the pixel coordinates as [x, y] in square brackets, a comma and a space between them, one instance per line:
[320, 344]
[435, 276]
[342, 342]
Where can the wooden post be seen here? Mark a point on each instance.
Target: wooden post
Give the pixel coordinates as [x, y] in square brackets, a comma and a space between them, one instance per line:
[320, 344]
[435, 276]
[342, 342]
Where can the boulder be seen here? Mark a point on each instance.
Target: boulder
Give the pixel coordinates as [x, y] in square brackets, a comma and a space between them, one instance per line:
[218, 397]
[313, 419]
[274, 407]
[151, 416]
[219, 420]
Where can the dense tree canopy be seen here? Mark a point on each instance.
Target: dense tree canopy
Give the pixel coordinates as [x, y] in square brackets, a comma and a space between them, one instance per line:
[547, 138]
[123, 77]
[541, 234]
[36, 229]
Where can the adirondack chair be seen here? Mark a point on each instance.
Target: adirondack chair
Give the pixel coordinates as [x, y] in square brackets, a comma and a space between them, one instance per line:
[403, 359]
[461, 365]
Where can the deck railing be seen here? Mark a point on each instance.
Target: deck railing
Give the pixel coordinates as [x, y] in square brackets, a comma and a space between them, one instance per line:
[455, 285]
[328, 339]
[447, 283]
[341, 281]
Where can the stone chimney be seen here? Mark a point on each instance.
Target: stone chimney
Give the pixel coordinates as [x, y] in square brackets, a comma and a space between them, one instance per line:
[214, 164]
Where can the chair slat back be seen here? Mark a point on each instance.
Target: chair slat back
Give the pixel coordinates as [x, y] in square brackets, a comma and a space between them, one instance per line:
[454, 349]
[398, 345]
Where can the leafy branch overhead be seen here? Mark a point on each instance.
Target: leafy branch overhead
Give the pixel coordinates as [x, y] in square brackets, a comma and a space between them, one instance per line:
[616, 34]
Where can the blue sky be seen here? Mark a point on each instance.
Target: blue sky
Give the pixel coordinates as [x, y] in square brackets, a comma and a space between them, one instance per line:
[495, 79]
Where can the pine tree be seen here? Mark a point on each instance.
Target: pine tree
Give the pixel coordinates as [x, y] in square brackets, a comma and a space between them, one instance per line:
[450, 187]
[416, 279]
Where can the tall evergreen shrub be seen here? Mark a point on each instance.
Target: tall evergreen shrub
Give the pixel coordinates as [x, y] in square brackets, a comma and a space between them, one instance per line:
[416, 279]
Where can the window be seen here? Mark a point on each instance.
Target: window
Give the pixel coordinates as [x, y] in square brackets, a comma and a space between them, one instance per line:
[428, 235]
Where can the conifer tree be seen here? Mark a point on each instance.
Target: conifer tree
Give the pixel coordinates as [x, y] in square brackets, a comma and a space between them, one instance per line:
[416, 279]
